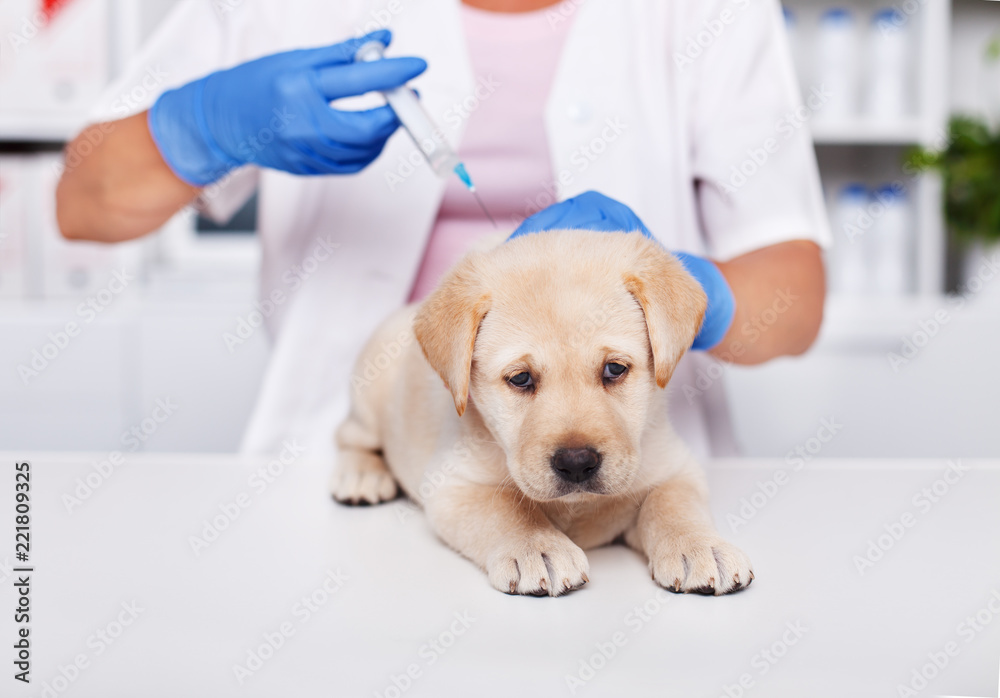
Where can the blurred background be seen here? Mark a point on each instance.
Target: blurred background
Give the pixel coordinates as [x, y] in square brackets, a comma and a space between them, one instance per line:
[907, 363]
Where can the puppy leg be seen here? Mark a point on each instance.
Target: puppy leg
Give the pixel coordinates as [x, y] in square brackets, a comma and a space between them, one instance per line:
[362, 476]
[686, 554]
[509, 537]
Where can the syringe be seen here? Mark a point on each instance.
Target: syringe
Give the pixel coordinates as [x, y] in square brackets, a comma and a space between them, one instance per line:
[428, 138]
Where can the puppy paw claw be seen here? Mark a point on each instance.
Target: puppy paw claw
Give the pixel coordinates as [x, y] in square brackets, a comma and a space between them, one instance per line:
[553, 561]
[700, 564]
[361, 479]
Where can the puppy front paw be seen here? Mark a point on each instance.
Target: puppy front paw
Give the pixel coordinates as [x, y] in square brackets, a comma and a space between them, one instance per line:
[700, 564]
[547, 563]
[362, 478]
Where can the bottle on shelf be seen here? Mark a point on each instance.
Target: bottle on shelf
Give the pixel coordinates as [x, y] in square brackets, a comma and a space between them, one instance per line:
[887, 88]
[794, 41]
[837, 64]
[849, 269]
[892, 241]
[12, 205]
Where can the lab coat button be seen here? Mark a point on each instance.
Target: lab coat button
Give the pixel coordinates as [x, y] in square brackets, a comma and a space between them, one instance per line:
[578, 112]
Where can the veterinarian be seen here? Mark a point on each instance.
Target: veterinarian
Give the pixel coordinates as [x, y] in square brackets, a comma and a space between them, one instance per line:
[687, 112]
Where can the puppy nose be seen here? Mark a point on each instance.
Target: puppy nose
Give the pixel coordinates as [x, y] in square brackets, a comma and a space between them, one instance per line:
[576, 464]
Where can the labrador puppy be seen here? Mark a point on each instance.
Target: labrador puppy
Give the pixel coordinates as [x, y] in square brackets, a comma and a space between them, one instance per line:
[522, 406]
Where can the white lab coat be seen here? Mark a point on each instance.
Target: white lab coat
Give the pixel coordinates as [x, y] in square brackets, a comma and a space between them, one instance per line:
[657, 104]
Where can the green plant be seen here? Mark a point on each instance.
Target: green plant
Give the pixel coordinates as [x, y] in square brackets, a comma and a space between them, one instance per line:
[970, 167]
[993, 49]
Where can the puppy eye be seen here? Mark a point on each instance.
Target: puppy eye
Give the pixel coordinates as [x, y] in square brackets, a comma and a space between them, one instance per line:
[521, 380]
[614, 370]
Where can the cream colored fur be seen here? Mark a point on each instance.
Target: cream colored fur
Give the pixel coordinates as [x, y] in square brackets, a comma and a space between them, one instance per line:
[433, 411]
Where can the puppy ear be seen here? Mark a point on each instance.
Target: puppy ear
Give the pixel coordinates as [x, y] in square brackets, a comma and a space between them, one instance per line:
[446, 326]
[674, 305]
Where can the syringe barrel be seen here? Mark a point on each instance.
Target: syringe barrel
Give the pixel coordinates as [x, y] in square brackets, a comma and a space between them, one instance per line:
[429, 139]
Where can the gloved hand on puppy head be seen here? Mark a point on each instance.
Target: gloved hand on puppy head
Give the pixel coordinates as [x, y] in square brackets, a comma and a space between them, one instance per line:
[594, 211]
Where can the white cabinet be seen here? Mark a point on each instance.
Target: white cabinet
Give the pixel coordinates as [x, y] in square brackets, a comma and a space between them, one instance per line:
[97, 386]
[52, 67]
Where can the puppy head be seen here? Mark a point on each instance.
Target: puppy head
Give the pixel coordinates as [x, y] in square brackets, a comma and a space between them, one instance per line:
[562, 339]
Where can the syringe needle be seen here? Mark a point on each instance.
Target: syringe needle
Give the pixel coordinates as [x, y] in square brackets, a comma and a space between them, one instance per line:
[483, 206]
[418, 124]
[463, 175]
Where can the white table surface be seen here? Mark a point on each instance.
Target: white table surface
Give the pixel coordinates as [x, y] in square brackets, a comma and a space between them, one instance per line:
[859, 635]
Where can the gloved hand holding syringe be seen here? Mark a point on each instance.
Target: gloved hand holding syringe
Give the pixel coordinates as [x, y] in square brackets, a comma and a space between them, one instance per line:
[428, 138]
[208, 127]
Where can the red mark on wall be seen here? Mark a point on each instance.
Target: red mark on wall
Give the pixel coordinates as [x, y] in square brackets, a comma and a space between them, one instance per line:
[50, 8]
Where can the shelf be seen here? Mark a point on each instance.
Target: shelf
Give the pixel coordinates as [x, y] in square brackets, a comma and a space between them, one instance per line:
[45, 127]
[864, 323]
[860, 132]
[868, 132]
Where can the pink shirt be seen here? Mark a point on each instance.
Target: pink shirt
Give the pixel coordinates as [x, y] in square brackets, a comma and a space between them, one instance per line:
[504, 147]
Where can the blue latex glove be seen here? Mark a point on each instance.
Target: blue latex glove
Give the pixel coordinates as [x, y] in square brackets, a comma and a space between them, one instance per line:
[594, 211]
[275, 112]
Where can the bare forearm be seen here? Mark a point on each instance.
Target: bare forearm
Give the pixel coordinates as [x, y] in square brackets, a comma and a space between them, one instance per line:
[780, 291]
[120, 188]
